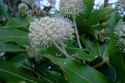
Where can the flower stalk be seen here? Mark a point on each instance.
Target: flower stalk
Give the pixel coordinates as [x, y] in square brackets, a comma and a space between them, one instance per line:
[76, 31]
[60, 49]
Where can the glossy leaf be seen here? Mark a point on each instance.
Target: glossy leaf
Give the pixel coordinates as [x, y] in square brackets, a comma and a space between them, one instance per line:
[17, 24]
[81, 54]
[56, 77]
[112, 22]
[110, 72]
[12, 74]
[20, 58]
[98, 15]
[82, 17]
[89, 4]
[117, 57]
[7, 47]
[95, 49]
[77, 72]
[17, 36]
[4, 11]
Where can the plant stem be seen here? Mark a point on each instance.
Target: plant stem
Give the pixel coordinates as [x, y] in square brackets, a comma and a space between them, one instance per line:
[76, 31]
[60, 49]
[100, 64]
[62, 46]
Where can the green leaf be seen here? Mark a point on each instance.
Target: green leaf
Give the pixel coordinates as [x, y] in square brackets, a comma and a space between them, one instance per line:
[81, 54]
[17, 24]
[117, 57]
[99, 27]
[17, 36]
[82, 17]
[56, 77]
[50, 50]
[20, 58]
[7, 47]
[89, 4]
[4, 11]
[109, 72]
[77, 72]
[98, 15]
[12, 74]
[95, 49]
[112, 22]
[71, 50]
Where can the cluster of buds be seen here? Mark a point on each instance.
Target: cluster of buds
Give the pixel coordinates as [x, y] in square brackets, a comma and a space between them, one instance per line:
[120, 33]
[72, 7]
[29, 8]
[46, 30]
[24, 10]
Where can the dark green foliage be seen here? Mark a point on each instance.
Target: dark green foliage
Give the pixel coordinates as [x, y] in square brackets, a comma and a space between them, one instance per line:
[99, 61]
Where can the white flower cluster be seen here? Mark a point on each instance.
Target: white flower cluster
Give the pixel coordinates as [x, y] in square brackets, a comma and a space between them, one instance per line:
[46, 29]
[72, 7]
[120, 7]
[120, 33]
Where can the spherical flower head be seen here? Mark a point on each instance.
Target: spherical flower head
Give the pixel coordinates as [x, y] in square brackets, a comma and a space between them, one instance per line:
[72, 7]
[120, 33]
[23, 7]
[65, 31]
[46, 29]
[24, 10]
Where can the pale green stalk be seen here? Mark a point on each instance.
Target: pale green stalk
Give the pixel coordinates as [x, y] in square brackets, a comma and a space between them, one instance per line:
[76, 31]
[60, 49]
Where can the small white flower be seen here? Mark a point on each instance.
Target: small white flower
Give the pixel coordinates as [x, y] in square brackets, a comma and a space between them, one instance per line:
[46, 29]
[72, 7]
[120, 7]
[120, 33]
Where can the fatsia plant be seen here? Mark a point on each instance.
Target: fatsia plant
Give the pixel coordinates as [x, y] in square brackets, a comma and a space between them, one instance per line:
[78, 44]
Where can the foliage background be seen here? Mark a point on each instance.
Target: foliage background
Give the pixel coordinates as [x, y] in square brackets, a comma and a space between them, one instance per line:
[100, 61]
